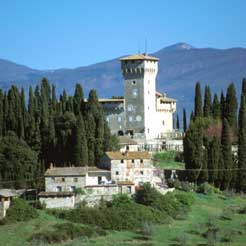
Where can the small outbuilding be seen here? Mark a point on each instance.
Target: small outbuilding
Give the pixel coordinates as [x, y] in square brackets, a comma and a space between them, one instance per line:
[6, 196]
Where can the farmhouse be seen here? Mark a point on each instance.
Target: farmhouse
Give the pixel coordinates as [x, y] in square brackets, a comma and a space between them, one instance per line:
[119, 172]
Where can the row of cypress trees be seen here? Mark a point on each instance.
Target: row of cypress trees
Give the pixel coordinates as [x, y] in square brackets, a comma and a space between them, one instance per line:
[215, 142]
[68, 131]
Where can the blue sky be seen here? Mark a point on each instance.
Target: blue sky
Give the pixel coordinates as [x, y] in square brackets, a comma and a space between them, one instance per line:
[49, 34]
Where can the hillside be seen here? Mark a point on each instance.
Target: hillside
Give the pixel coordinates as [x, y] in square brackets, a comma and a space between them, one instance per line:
[181, 65]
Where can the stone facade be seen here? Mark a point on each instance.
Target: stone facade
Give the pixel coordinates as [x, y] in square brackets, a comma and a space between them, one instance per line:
[69, 179]
[136, 167]
[143, 113]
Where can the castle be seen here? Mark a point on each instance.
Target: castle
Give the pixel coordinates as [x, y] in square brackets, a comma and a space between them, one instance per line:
[143, 113]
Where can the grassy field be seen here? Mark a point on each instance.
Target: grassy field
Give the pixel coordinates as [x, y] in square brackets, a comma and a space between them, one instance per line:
[166, 160]
[209, 211]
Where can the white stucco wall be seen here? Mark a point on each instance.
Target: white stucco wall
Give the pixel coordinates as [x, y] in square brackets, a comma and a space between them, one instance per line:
[4, 205]
[149, 80]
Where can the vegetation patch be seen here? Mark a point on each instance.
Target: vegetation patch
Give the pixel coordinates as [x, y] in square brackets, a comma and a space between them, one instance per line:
[20, 211]
[66, 231]
[169, 160]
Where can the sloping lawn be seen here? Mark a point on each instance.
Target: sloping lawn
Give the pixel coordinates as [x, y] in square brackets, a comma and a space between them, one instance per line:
[207, 210]
[168, 160]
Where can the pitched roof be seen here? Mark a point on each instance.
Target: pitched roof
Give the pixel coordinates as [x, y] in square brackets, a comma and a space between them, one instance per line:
[8, 193]
[139, 57]
[72, 171]
[126, 140]
[168, 99]
[117, 155]
[125, 182]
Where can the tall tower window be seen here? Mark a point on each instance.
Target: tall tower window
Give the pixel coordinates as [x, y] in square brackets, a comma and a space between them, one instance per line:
[135, 92]
[130, 118]
[119, 119]
[130, 107]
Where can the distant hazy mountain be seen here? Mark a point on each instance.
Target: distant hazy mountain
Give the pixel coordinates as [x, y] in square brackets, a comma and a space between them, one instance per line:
[181, 65]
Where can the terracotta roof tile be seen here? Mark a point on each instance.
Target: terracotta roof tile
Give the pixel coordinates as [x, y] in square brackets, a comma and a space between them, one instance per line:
[72, 171]
[126, 140]
[139, 57]
[129, 156]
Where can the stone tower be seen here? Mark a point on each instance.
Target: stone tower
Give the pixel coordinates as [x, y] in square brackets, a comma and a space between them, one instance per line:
[139, 73]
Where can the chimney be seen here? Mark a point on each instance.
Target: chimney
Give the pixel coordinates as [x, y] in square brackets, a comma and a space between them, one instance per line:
[126, 153]
[51, 165]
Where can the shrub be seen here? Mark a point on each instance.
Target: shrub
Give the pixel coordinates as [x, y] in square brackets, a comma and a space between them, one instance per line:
[120, 200]
[20, 211]
[117, 217]
[187, 199]
[174, 183]
[181, 185]
[64, 232]
[207, 188]
[147, 195]
[179, 157]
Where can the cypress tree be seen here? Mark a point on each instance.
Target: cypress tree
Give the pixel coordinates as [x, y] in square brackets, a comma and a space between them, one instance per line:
[207, 102]
[177, 122]
[231, 107]
[5, 114]
[227, 155]
[241, 176]
[80, 150]
[63, 100]
[216, 107]
[99, 138]
[203, 175]
[78, 99]
[222, 105]
[198, 101]
[1, 113]
[184, 120]
[244, 87]
[53, 98]
[90, 129]
[191, 116]
[193, 152]
[213, 160]
[31, 106]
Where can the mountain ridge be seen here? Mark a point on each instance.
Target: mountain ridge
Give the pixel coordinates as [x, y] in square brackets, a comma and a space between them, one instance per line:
[180, 66]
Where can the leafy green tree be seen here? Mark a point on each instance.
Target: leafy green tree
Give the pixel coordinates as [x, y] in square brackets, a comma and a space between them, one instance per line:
[18, 163]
